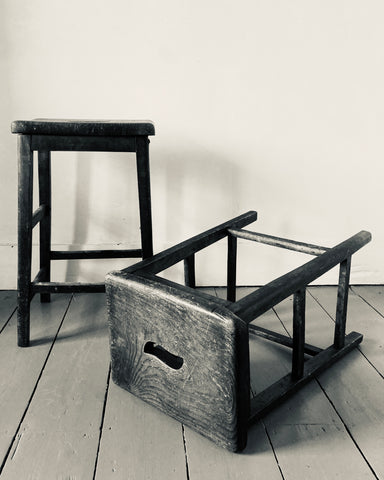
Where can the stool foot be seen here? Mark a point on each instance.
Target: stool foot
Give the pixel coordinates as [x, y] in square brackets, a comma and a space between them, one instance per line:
[23, 323]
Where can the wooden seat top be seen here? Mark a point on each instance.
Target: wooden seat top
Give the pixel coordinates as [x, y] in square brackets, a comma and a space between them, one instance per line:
[108, 128]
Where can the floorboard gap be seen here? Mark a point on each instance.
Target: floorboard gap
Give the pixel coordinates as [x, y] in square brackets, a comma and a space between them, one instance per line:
[282, 324]
[273, 450]
[370, 363]
[366, 301]
[9, 319]
[321, 306]
[185, 452]
[102, 422]
[348, 431]
[17, 436]
[358, 347]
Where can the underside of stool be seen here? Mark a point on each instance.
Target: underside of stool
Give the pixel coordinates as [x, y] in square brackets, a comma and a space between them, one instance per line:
[187, 353]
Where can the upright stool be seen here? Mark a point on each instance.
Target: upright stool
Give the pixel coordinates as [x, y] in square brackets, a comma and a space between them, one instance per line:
[187, 353]
[44, 136]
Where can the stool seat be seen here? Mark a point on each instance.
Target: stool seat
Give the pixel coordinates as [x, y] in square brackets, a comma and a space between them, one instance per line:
[108, 128]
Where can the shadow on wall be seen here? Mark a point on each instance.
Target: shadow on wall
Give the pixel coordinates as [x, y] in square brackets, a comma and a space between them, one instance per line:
[81, 219]
[192, 190]
[105, 210]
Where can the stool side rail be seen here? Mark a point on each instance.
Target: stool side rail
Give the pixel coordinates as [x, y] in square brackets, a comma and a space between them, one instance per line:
[281, 339]
[60, 143]
[175, 254]
[95, 254]
[258, 302]
[278, 241]
[66, 287]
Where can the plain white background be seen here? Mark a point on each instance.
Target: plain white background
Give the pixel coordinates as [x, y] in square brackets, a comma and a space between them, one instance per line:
[274, 106]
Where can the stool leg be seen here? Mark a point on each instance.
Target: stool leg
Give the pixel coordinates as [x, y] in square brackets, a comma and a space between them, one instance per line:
[342, 303]
[45, 224]
[298, 334]
[189, 271]
[231, 268]
[25, 197]
[143, 180]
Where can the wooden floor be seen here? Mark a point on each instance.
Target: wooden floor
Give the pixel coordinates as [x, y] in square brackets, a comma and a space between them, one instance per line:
[62, 417]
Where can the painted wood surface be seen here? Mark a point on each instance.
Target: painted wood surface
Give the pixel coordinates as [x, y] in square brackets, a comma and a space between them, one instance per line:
[206, 461]
[373, 295]
[332, 428]
[7, 306]
[299, 427]
[20, 369]
[308, 452]
[343, 386]
[60, 431]
[355, 388]
[366, 312]
[357, 391]
[372, 324]
[138, 441]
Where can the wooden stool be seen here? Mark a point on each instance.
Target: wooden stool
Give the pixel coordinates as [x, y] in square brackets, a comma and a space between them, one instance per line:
[187, 353]
[44, 136]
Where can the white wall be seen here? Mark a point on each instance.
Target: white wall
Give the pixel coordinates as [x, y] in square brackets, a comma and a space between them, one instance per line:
[273, 105]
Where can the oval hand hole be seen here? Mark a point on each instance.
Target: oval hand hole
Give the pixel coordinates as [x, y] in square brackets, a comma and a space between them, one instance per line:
[173, 361]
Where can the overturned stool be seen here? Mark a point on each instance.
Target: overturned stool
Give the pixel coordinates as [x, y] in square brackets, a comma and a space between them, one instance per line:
[187, 353]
